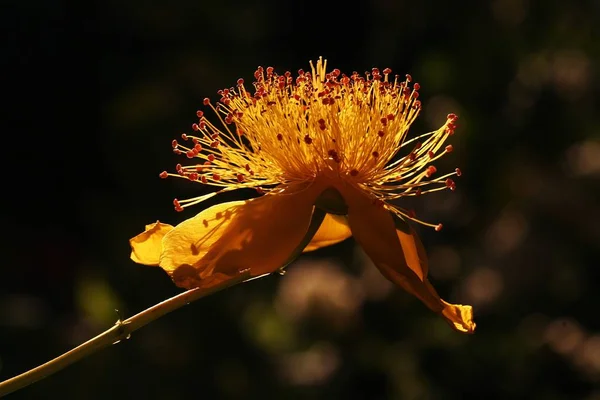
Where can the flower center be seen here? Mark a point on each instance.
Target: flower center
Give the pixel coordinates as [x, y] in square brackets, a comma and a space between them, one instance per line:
[320, 123]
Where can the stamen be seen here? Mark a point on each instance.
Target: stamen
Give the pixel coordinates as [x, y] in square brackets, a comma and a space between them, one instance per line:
[294, 130]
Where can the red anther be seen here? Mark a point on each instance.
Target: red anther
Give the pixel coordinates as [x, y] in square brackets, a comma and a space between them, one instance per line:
[354, 172]
[451, 126]
[163, 174]
[216, 177]
[203, 179]
[184, 136]
[178, 208]
[190, 154]
[431, 154]
[207, 162]
[199, 113]
[390, 117]
[199, 168]
[211, 157]
[226, 101]
[225, 92]
[240, 178]
[438, 227]
[417, 104]
[412, 156]
[418, 193]
[214, 136]
[214, 144]
[345, 80]
[247, 166]
[381, 133]
[383, 121]
[408, 78]
[430, 171]
[178, 167]
[387, 71]
[198, 147]
[195, 140]
[450, 184]
[251, 172]
[418, 145]
[453, 117]
[449, 148]
[193, 176]
[416, 86]
[196, 152]
[375, 154]
[307, 139]
[415, 94]
[321, 121]
[206, 101]
[239, 131]
[174, 144]
[176, 203]
[195, 127]
[279, 137]
[202, 125]
[300, 72]
[325, 100]
[269, 70]
[240, 82]
[458, 172]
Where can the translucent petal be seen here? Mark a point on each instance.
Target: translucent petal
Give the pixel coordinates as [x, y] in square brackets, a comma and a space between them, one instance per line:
[333, 229]
[399, 256]
[258, 235]
[147, 246]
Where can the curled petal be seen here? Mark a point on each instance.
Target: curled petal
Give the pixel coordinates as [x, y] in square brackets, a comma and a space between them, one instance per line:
[147, 246]
[399, 256]
[412, 248]
[333, 229]
[257, 235]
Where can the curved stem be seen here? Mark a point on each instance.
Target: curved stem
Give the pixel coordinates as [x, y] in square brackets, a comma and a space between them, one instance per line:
[121, 330]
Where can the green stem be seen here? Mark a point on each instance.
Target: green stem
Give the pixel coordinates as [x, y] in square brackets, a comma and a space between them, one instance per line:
[120, 331]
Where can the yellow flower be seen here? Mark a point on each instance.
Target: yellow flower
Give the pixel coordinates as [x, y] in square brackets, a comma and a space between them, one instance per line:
[324, 149]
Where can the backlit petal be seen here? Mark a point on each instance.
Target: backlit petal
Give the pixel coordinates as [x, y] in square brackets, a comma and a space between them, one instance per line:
[333, 229]
[258, 235]
[147, 246]
[398, 256]
[414, 252]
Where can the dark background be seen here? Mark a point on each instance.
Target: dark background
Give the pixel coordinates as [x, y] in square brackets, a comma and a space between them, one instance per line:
[94, 93]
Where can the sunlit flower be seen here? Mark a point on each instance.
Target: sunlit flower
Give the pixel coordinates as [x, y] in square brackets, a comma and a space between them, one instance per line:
[329, 155]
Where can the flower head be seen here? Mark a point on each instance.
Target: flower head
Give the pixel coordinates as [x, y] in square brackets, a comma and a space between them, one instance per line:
[330, 154]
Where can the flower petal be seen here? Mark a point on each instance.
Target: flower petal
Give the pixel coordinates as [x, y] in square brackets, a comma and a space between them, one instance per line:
[147, 246]
[258, 235]
[333, 229]
[399, 256]
[414, 252]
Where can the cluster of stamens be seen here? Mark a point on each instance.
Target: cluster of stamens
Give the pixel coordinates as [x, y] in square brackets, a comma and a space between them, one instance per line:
[294, 129]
